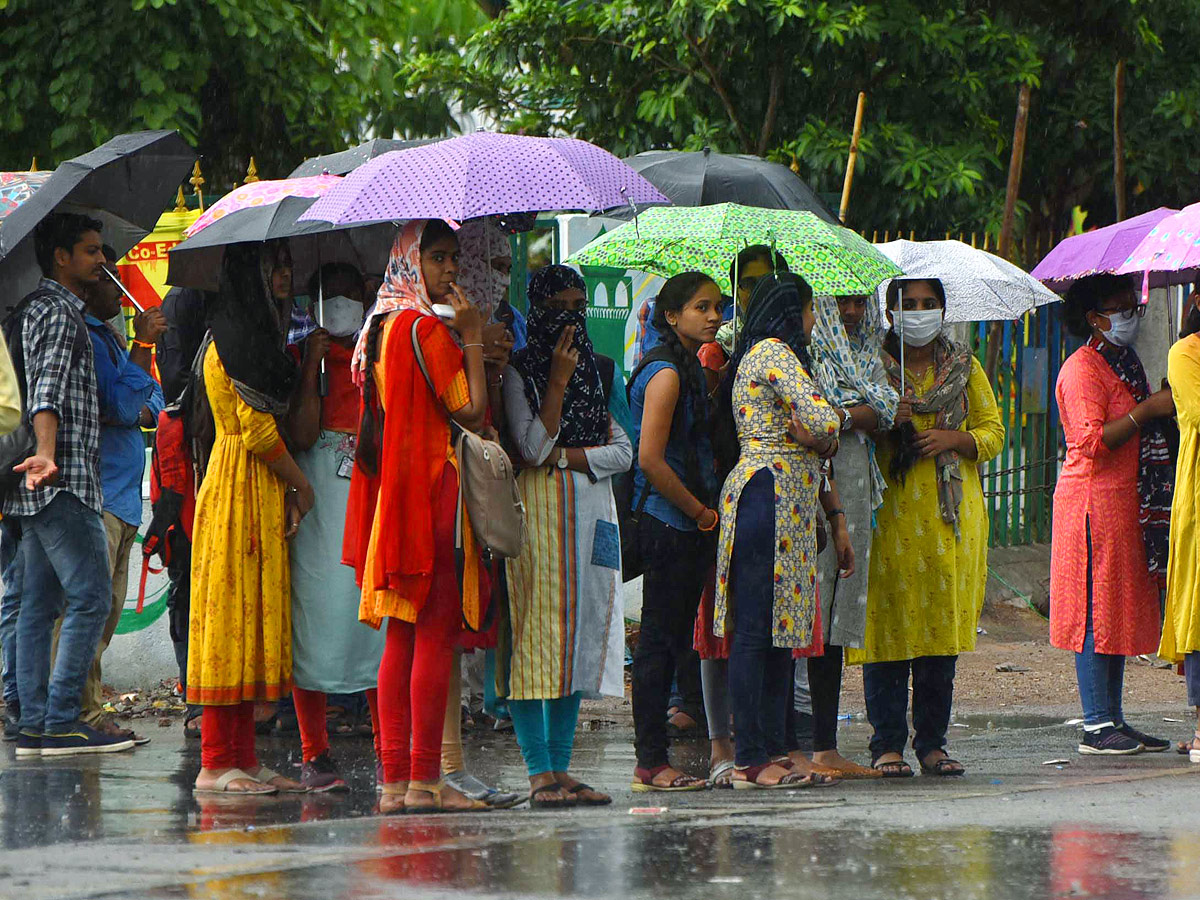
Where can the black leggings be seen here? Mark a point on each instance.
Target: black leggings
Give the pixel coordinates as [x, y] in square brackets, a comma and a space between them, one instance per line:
[825, 686]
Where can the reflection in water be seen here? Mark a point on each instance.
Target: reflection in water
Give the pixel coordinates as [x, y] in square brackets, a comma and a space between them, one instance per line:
[45, 805]
[1109, 865]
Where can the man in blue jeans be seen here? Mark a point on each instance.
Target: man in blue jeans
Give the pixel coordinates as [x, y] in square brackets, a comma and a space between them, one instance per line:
[63, 551]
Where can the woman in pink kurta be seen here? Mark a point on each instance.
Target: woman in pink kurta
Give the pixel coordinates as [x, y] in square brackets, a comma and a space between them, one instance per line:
[1103, 597]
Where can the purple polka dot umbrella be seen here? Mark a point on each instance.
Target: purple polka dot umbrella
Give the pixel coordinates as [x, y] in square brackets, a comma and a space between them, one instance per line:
[484, 174]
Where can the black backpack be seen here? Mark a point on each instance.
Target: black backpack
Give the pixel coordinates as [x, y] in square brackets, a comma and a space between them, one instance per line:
[20, 444]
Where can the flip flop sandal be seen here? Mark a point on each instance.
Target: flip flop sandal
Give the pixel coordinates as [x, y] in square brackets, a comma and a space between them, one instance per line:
[474, 789]
[643, 782]
[1184, 748]
[790, 781]
[393, 790]
[580, 800]
[536, 802]
[897, 768]
[944, 768]
[434, 789]
[720, 776]
[854, 772]
[818, 776]
[221, 786]
[265, 776]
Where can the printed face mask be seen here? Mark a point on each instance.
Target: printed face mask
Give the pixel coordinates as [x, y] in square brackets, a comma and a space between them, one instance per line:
[917, 327]
[1122, 332]
[343, 316]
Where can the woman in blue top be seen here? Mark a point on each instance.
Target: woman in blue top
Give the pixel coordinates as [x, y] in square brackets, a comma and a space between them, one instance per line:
[675, 478]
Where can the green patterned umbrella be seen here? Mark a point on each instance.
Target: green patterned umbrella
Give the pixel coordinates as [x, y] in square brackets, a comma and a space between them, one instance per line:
[667, 240]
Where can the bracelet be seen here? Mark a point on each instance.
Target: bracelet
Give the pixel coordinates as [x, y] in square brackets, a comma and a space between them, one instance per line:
[716, 520]
[835, 512]
[499, 382]
[138, 343]
[465, 346]
[1136, 423]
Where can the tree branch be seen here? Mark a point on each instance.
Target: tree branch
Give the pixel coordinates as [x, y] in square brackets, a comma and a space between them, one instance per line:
[719, 86]
[772, 113]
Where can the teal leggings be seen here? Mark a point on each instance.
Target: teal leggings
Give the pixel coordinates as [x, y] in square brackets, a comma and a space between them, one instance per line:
[546, 732]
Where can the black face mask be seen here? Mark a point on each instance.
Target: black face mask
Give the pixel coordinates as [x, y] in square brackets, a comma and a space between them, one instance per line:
[545, 325]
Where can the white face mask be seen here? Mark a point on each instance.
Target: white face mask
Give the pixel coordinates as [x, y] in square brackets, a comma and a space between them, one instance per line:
[343, 316]
[1122, 332]
[917, 327]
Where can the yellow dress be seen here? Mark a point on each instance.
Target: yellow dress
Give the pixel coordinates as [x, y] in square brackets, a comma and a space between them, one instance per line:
[925, 589]
[240, 634]
[770, 385]
[1181, 621]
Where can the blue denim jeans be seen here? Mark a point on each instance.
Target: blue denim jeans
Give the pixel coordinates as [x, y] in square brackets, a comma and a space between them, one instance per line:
[760, 674]
[64, 561]
[10, 606]
[885, 688]
[1101, 676]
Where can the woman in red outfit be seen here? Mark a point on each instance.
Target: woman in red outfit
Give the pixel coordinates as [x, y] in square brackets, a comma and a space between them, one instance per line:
[400, 534]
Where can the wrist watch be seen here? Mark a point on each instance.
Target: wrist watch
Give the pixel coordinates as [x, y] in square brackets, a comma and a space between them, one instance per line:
[562, 458]
[848, 421]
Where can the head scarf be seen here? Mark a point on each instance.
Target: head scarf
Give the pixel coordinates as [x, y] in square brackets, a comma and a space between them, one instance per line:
[775, 310]
[849, 370]
[1156, 471]
[947, 399]
[584, 421]
[246, 325]
[403, 288]
[479, 242]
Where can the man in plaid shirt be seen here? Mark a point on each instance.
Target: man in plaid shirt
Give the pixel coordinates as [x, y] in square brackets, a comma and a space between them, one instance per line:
[63, 552]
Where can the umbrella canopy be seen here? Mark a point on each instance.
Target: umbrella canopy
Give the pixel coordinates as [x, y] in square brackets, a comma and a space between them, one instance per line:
[346, 161]
[196, 263]
[126, 183]
[1170, 251]
[705, 178]
[980, 286]
[1102, 250]
[483, 174]
[671, 240]
[262, 194]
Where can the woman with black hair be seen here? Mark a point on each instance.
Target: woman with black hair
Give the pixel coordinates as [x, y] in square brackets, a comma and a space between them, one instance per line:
[674, 484]
[929, 554]
[767, 554]
[1112, 507]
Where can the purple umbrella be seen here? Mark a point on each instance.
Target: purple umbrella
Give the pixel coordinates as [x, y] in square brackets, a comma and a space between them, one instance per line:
[1170, 253]
[483, 174]
[1102, 250]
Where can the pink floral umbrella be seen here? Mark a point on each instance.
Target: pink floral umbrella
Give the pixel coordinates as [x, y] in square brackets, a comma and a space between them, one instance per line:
[1170, 253]
[17, 187]
[263, 193]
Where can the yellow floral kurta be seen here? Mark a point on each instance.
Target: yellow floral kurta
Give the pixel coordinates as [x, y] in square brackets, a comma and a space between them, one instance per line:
[1181, 622]
[770, 385]
[925, 589]
[240, 633]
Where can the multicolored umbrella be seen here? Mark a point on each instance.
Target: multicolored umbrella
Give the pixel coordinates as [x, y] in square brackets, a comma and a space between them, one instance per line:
[980, 287]
[263, 193]
[1170, 253]
[17, 187]
[675, 239]
[483, 174]
[1102, 250]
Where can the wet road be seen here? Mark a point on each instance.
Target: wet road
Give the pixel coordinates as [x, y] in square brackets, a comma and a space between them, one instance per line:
[128, 826]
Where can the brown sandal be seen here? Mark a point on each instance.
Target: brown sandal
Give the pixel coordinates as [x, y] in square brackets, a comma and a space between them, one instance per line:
[895, 768]
[643, 782]
[434, 789]
[749, 778]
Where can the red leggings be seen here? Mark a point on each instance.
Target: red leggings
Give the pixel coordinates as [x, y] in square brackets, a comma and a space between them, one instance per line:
[415, 671]
[227, 737]
[310, 715]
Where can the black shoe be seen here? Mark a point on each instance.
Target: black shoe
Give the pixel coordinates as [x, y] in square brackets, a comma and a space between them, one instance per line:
[80, 738]
[1109, 741]
[320, 775]
[1152, 744]
[29, 744]
[12, 721]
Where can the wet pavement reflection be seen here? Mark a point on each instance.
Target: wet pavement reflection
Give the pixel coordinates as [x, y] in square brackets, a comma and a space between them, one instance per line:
[128, 825]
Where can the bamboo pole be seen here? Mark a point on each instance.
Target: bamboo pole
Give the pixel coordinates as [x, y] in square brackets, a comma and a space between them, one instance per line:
[850, 163]
[1119, 188]
[1004, 245]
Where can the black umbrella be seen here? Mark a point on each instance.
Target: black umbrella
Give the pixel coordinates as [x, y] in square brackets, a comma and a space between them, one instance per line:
[347, 161]
[126, 183]
[706, 178]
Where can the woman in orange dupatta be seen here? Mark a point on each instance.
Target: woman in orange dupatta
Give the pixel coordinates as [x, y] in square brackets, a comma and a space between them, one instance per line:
[403, 500]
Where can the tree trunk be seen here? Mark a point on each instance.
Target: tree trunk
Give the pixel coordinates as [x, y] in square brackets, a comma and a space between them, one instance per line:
[1004, 246]
[1119, 192]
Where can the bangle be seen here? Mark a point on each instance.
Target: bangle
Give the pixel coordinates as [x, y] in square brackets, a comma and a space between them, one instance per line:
[715, 520]
[835, 512]
[1136, 423]
[499, 382]
[138, 343]
[465, 346]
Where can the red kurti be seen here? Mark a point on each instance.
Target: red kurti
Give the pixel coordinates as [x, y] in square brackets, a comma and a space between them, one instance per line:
[1099, 486]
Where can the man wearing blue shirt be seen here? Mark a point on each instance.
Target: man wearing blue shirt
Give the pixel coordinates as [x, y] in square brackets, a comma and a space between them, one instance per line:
[130, 399]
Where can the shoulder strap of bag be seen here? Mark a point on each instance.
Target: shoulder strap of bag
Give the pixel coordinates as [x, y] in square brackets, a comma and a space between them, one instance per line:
[456, 431]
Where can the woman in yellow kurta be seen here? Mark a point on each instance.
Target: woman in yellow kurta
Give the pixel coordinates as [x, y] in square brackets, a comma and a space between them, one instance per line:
[250, 502]
[1181, 622]
[929, 555]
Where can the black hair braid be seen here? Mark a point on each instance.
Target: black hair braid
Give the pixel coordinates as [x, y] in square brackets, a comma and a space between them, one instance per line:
[370, 430]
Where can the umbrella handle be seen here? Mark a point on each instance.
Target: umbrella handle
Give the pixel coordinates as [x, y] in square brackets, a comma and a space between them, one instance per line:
[900, 310]
[121, 287]
[322, 378]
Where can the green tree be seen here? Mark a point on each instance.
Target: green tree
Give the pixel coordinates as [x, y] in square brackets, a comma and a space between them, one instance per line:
[276, 79]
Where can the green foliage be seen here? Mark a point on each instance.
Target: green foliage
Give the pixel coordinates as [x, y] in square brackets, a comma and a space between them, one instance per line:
[780, 78]
[276, 79]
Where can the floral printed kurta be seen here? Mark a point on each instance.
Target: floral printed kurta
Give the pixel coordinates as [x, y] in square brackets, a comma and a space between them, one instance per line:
[770, 385]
